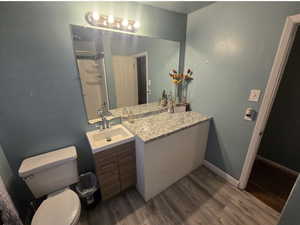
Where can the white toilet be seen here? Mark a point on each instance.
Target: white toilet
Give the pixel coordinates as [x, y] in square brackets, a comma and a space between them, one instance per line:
[51, 174]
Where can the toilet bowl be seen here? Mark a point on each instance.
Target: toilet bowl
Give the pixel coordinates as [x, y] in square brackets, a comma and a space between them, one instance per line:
[60, 208]
[50, 175]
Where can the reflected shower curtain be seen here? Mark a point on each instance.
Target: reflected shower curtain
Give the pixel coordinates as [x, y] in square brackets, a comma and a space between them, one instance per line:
[8, 212]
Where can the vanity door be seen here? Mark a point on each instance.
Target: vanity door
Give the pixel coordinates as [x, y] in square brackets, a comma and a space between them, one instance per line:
[116, 169]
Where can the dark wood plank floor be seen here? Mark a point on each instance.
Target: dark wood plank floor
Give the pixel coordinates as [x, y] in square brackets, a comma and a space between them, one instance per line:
[270, 184]
[200, 198]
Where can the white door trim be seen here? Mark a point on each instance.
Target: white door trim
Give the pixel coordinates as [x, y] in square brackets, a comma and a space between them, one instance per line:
[283, 51]
[147, 76]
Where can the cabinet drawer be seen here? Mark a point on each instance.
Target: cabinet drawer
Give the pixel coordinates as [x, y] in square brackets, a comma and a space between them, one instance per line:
[127, 160]
[102, 159]
[107, 168]
[127, 148]
[108, 179]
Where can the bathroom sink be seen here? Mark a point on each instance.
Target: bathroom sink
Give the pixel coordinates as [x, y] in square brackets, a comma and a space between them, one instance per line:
[103, 139]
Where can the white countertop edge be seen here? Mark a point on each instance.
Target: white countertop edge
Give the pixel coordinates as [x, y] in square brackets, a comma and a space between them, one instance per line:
[95, 150]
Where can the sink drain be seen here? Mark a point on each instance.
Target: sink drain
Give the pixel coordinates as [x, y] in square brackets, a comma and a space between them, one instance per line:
[108, 139]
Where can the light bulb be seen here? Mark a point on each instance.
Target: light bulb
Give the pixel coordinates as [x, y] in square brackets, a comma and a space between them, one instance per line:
[105, 23]
[129, 27]
[118, 25]
[95, 16]
[125, 23]
[136, 25]
[111, 19]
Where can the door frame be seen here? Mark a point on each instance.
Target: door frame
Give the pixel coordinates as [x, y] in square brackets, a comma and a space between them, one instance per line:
[147, 74]
[281, 57]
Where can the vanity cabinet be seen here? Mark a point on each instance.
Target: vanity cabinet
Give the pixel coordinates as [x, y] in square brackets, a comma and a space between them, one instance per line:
[116, 169]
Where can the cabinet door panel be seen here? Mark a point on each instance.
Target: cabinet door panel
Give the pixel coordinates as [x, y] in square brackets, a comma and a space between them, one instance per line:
[116, 169]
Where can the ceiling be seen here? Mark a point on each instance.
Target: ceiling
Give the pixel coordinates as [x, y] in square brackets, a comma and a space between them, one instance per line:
[184, 7]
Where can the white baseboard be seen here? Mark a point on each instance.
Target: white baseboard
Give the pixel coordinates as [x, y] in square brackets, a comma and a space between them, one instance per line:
[221, 173]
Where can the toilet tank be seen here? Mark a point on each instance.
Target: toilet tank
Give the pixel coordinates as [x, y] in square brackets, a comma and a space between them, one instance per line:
[49, 172]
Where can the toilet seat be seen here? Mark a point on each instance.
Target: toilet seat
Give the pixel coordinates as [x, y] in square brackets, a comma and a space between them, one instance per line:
[60, 208]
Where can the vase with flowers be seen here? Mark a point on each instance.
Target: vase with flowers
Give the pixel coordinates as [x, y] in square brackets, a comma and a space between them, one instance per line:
[177, 80]
[181, 81]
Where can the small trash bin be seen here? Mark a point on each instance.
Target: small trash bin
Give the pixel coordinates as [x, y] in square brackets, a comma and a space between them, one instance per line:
[86, 187]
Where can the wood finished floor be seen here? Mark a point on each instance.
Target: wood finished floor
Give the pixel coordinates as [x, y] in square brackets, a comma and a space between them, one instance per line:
[270, 184]
[200, 198]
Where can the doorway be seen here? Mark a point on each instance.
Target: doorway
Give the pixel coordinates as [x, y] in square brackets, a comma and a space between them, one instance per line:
[271, 165]
[131, 79]
[125, 76]
[142, 78]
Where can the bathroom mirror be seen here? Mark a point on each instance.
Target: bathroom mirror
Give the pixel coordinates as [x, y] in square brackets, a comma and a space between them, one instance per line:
[120, 69]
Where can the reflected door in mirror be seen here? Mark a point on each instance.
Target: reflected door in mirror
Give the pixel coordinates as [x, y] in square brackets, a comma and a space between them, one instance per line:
[142, 79]
[125, 72]
[93, 84]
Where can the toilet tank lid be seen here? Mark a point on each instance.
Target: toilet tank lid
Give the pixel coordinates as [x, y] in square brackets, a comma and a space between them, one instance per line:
[38, 163]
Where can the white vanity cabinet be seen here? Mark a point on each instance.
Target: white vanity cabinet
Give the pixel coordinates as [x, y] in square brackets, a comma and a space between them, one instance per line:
[163, 160]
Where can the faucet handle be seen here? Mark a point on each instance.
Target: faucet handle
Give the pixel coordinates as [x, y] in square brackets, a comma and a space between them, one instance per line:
[99, 112]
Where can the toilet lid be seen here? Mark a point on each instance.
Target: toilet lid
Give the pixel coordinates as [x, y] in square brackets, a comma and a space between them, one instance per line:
[60, 208]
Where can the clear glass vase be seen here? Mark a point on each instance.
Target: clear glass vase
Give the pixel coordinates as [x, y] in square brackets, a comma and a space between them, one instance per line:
[184, 93]
[176, 91]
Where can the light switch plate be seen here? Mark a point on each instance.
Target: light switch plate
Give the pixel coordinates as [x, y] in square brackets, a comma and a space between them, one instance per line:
[254, 95]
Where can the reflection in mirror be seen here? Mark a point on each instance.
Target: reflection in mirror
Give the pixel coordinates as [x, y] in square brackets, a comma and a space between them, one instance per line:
[119, 70]
[88, 49]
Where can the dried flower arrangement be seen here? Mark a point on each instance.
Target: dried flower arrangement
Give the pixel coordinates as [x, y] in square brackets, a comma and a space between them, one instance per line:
[178, 78]
[181, 80]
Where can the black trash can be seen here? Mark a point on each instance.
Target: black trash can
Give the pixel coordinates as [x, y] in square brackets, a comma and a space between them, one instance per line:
[86, 187]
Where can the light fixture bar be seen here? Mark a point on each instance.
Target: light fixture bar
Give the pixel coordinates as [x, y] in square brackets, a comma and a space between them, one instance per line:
[94, 19]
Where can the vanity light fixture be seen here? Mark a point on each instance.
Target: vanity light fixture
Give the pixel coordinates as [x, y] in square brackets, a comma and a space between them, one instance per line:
[111, 19]
[95, 16]
[94, 19]
[136, 25]
[124, 22]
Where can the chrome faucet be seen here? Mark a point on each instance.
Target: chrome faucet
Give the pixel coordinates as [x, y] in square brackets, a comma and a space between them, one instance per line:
[102, 113]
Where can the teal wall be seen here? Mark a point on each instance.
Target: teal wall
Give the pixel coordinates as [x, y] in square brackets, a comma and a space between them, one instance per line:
[41, 104]
[290, 214]
[230, 46]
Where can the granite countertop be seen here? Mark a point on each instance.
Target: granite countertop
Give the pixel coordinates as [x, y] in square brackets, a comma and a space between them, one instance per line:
[139, 110]
[155, 126]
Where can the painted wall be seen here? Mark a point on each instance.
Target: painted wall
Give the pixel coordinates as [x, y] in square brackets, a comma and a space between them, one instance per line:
[230, 46]
[41, 104]
[290, 214]
[280, 142]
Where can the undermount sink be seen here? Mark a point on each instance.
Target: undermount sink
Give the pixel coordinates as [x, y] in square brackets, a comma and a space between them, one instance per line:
[103, 139]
